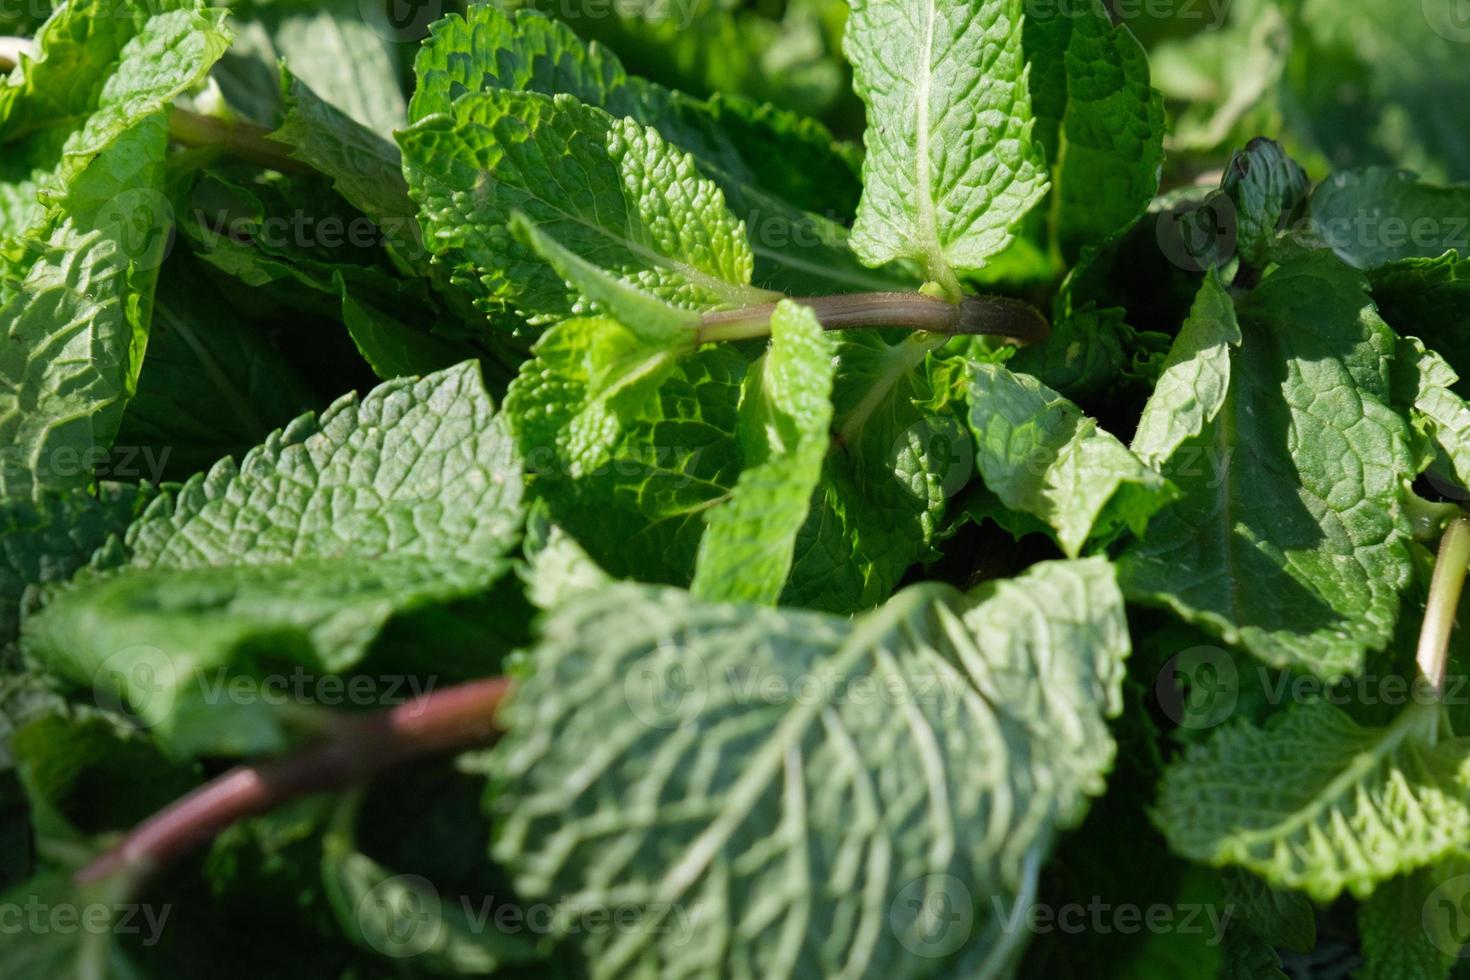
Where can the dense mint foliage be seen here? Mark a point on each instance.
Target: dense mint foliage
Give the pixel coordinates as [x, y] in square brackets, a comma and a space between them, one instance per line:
[887, 489]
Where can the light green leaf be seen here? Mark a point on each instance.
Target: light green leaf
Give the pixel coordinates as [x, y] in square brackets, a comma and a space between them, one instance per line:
[951, 164]
[1314, 802]
[1290, 538]
[1098, 120]
[750, 151]
[608, 189]
[721, 754]
[670, 451]
[401, 500]
[1423, 382]
[1042, 456]
[785, 411]
[1196, 378]
[101, 68]
[77, 324]
[643, 314]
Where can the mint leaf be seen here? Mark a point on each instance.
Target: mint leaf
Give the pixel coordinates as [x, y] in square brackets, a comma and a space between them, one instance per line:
[60, 111]
[1423, 382]
[1410, 926]
[645, 742]
[1098, 120]
[1429, 298]
[785, 410]
[1314, 802]
[1196, 378]
[1375, 216]
[609, 190]
[952, 165]
[668, 452]
[733, 142]
[403, 499]
[1042, 456]
[212, 385]
[73, 354]
[48, 539]
[1269, 191]
[1296, 550]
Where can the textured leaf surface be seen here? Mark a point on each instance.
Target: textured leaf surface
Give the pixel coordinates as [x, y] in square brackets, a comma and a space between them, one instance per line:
[101, 68]
[609, 190]
[1424, 383]
[669, 458]
[405, 498]
[1412, 927]
[737, 145]
[1042, 456]
[1377, 215]
[1290, 538]
[1097, 118]
[77, 324]
[1317, 803]
[785, 411]
[1268, 190]
[651, 769]
[1196, 377]
[212, 385]
[951, 164]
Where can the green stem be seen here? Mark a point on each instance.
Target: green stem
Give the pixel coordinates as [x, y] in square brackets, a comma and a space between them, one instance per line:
[991, 315]
[1444, 601]
[245, 140]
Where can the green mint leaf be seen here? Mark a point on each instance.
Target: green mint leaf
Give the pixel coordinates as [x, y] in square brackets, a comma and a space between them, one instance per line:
[1316, 803]
[1375, 216]
[212, 385]
[900, 450]
[1429, 298]
[753, 153]
[951, 165]
[1296, 550]
[1196, 378]
[1281, 918]
[397, 501]
[1269, 191]
[1098, 120]
[608, 189]
[1042, 456]
[645, 315]
[101, 68]
[648, 729]
[667, 448]
[48, 539]
[1423, 385]
[1411, 925]
[77, 322]
[785, 412]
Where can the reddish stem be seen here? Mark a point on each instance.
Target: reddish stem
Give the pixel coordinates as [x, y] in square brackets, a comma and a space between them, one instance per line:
[454, 719]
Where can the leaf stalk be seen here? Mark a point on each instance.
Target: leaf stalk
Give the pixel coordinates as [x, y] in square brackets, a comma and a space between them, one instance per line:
[1445, 587]
[997, 316]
